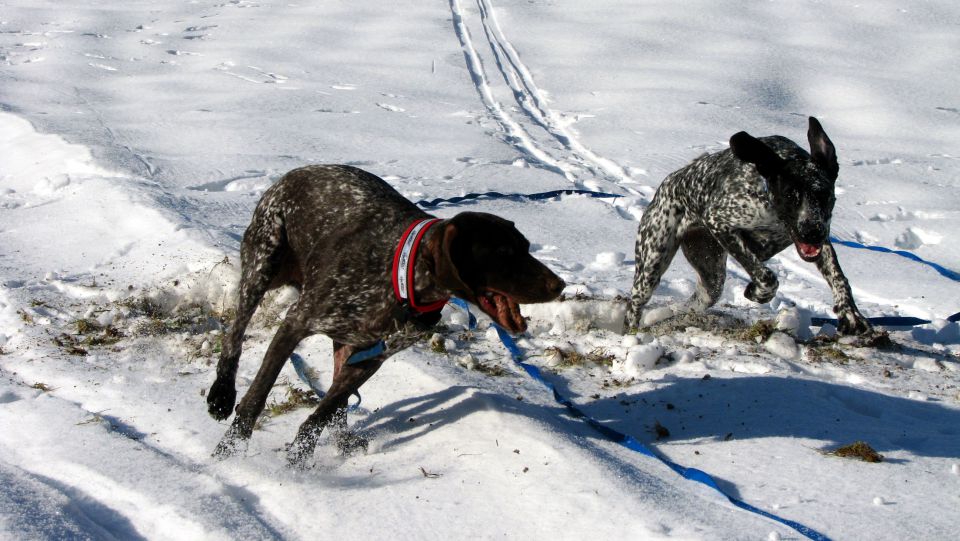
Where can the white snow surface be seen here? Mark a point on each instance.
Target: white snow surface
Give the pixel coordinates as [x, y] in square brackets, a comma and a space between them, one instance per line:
[136, 137]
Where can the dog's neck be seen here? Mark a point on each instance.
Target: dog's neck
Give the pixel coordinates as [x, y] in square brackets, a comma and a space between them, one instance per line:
[426, 287]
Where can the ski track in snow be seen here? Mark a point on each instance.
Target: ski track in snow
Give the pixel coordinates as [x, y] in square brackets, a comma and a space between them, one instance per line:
[562, 152]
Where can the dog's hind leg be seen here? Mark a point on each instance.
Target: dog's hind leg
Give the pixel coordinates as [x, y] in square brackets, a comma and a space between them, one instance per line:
[260, 252]
[849, 318]
[347, 441]
[347, 380]
[288, 335]
[709, 259]
[656, 246]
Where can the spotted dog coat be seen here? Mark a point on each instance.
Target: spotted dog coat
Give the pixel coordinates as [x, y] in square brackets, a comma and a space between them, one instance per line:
[331, 231]
[750, 201]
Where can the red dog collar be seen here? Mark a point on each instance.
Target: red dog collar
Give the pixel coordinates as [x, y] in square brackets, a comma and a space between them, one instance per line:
[403, 263]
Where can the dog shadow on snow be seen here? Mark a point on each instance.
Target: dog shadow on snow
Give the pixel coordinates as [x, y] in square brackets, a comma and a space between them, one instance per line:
[694, 409]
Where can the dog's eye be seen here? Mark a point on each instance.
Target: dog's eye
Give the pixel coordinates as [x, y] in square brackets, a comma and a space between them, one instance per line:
[504, 251]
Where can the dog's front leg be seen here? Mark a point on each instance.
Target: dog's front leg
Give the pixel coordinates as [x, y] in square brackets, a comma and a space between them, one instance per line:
[655, 247]
[763, 285]
[347, 380]
[849, 318]
[288, 335]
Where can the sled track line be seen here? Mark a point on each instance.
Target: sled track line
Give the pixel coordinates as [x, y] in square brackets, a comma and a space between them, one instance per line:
[532, 101]
[516, 134]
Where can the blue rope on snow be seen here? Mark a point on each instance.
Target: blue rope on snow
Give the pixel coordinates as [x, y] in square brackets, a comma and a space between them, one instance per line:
[300, 367]
[953, 275]
[466, 308]
[627, 440]
[512, 196]
[885, 321]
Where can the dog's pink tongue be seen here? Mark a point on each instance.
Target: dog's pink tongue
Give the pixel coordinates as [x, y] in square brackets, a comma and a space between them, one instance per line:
[808, 250]
[508, 314]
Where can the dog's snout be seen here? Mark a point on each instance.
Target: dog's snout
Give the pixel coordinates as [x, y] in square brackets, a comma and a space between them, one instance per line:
[555, 285]
[812, 223]
[813, 231]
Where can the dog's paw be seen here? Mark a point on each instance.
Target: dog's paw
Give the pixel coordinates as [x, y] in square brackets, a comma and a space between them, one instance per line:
[631, 321]
[761, 294]
[221, 399]
[875, 339]
[695, 304]
[350, 443]
[299, 453]
[230, 445]
[853, 324]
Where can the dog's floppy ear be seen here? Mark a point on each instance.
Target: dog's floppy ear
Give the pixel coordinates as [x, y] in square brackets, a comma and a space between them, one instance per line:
[822, 151]
[447, 274]
[750, 149]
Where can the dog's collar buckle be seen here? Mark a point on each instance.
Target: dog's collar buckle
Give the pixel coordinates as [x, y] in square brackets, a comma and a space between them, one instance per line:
[403, 265]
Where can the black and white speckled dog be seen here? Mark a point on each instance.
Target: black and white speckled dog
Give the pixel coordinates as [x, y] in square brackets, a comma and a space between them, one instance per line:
[332, 232]
[750, 201]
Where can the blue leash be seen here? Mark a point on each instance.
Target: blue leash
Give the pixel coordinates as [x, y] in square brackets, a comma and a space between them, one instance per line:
[953, 275]
[885, 321]
[300, 367]
[626, 440]
[466, 308]
[512, 197]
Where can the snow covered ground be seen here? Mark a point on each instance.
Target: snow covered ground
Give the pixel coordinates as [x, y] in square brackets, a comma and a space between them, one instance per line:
[136, 137]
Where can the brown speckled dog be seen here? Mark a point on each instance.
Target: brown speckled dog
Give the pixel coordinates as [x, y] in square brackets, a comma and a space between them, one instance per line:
[332, 231]
[750, 201]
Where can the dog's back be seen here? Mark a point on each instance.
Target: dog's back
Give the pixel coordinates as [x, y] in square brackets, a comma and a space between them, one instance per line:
[331, 205]
[720, 178]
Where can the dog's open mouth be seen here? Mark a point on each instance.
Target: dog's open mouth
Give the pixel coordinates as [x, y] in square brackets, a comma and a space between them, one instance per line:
[808, 252]
[504, 310]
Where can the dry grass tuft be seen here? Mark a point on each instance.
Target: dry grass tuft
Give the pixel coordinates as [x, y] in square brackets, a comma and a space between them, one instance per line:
[571, 357]
[857, 449]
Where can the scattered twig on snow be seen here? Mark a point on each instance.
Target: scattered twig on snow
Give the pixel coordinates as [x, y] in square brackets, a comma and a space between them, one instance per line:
[429, 475]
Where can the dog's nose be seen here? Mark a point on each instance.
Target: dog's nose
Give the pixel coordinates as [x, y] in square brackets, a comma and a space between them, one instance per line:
[811, 231]
[555, 286]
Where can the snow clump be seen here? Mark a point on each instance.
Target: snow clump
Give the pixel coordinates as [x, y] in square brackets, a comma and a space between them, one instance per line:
[914, 237]
[607, 261]
[782, 345]
[640, 359]
[938, 331]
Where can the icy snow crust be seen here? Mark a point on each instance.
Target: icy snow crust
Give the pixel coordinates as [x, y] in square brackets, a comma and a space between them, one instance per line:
[136, 137]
